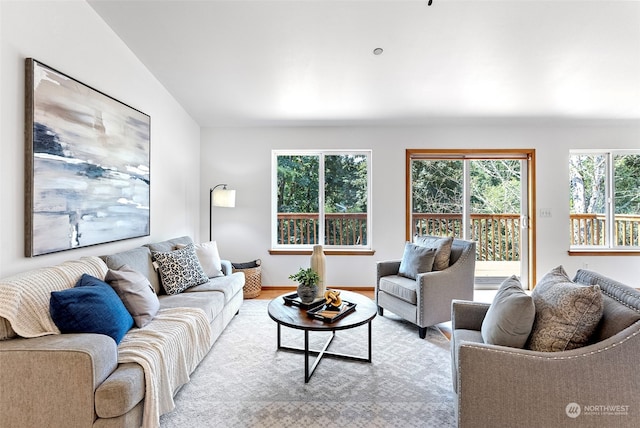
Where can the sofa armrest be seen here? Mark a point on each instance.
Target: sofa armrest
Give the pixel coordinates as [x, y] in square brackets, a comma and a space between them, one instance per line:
[439, 288]
[543, 386]
[386, 268]
[468, 315]
[50, 380]
[227, 268]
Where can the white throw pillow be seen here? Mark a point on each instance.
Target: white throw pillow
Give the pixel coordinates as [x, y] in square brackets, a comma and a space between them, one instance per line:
[209, 258]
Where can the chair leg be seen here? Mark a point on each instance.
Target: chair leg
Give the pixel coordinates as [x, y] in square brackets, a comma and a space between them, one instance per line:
[422, 332]
[380, 311]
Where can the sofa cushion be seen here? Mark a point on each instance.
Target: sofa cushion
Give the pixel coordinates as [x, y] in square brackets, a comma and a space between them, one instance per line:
[136, 293]
[442, 247]
[509, 320]
[92, 306]
[209, 258]
[211, 302]
[567, 313]
[416, 260]
[400, 287]
[179, 269]
[229, 285]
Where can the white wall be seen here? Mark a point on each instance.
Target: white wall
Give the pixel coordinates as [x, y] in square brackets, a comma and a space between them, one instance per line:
[71, 37]
[241, 157]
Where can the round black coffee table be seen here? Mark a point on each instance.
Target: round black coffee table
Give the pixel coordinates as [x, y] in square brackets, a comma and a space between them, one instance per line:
[295, 317]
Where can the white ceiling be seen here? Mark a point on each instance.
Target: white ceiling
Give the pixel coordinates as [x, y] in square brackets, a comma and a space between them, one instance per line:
[305, 62]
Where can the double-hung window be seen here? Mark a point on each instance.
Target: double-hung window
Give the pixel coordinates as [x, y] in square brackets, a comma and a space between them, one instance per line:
[604, 200]
[321, 197]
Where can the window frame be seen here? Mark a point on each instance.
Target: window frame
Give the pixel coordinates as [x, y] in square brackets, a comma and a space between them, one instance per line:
[277, 248]
[610, 247]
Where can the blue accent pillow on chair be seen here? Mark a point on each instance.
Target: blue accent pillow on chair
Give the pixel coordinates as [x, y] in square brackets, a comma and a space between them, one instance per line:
[92, 306]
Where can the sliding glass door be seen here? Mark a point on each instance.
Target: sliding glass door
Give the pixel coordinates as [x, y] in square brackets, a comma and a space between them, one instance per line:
[482, 197]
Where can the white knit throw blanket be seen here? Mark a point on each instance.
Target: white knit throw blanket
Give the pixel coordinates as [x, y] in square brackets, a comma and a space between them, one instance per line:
[24, 298]
[168, 348]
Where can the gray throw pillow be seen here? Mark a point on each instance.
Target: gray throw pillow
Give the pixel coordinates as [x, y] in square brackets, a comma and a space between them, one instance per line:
[510, 317]
[567, 313]
[179, 269]
[415, 260]
[442, 247]
[136, 293]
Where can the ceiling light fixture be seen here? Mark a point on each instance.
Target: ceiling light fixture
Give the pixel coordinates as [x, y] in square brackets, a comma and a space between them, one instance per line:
[377, 51]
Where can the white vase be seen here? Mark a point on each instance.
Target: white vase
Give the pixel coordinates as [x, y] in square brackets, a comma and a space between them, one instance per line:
[318, 260]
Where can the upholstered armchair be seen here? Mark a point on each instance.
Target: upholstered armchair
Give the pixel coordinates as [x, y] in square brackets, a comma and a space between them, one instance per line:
[588, 387]
[426, 300]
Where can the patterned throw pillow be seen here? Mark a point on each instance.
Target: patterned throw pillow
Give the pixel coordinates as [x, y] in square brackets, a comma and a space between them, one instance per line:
[567, 313]
[442, 247]
[415, 260]
[179, 269]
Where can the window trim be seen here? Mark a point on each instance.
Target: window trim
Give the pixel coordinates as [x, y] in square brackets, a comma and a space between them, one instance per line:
[305, 249]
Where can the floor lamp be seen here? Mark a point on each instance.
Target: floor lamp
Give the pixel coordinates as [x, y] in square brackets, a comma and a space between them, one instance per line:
[220, 198]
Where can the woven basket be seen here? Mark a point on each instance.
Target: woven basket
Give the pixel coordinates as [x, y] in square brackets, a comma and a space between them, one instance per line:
[252, 278]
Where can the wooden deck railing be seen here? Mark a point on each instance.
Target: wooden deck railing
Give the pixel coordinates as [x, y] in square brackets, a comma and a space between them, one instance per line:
[590, 229]
[497, 235]
[340, 228]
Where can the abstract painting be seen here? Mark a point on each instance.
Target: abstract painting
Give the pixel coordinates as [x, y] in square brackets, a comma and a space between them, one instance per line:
[87, 165]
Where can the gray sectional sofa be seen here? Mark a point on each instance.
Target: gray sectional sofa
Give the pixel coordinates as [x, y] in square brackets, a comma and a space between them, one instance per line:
[76, 380]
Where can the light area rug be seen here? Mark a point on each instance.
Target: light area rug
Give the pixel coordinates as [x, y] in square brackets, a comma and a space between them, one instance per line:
[245, 381]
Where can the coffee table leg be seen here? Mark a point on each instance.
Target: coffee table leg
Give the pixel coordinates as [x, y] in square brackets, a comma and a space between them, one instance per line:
[308, 372]
[369, 341]
[279, 336]
[307, 376]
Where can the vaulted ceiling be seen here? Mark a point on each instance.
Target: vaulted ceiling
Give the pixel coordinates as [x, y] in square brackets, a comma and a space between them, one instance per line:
[311, 62]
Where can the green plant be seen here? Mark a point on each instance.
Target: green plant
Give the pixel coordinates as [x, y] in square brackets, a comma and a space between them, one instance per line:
[306, 276]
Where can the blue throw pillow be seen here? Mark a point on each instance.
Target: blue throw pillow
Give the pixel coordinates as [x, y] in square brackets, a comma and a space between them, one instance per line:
[92, 306]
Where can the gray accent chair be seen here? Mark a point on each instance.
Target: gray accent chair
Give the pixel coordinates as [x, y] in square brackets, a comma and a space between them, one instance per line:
[426, 301]
[593, 386]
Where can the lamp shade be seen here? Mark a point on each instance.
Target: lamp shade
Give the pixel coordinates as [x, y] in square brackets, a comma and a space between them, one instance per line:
[224, 198]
